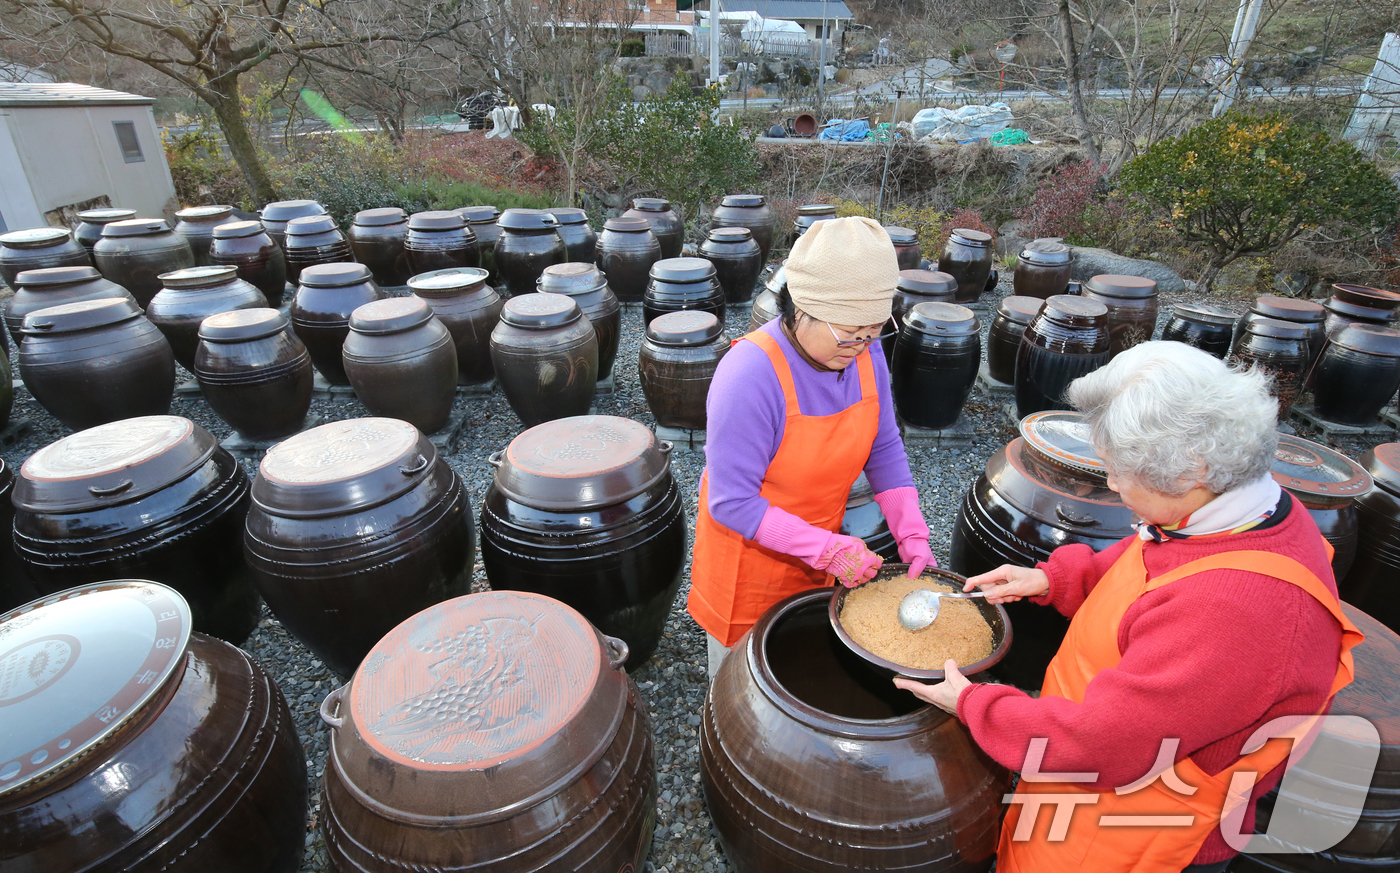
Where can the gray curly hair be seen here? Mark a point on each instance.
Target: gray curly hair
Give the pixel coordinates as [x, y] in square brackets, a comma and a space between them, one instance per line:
[1170, 415]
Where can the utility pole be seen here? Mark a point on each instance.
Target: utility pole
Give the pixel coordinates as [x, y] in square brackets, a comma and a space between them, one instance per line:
[889, 149]
[1245, 22]
[715, 11]
[821, 69]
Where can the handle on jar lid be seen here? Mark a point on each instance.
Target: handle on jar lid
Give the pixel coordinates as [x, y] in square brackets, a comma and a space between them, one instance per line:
[332, 704]
[495, 458]
[110, 492]
[1071, 517]
[417, 466]
[617, 652]
[664, 446]
[549, 220]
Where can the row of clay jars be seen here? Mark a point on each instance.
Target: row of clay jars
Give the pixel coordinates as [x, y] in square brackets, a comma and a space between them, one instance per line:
[402, 362]
[193, 294]
[627, 249]
[39, 248]
[676, 364]
[665, 224]
[936, 358]
[321, 309]
[469, 308]
[135, 252]
[196, 224]
[528, 243]
[677, 284]
[254, 372]
[54, 286]
[906, 247]
[260, 262]
[545, 353]
[588, 287]
[749, 211]
[737, 259]
[1357, 374]
[91, 222]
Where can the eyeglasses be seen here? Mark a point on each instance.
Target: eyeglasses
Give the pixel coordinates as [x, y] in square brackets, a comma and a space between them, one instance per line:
[854, 343]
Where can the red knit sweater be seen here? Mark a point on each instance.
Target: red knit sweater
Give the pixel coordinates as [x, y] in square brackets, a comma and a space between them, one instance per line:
[1208, 659]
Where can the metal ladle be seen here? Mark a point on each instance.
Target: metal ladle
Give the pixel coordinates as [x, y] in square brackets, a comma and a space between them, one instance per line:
[919, 607]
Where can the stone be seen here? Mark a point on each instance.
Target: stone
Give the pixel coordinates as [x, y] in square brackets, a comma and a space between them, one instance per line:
[606, 387]
[1293, 283]
[480, 389]
[1090, 262]
[324, 390]
[16, 430]
[681, 439]
[1011, 238]
[958, 436]
[1306, 414]
[990, 385]
[446, 439]
[242, 447]
[640, 93]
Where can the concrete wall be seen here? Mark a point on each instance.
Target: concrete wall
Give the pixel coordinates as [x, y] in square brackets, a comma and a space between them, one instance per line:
[63, 156]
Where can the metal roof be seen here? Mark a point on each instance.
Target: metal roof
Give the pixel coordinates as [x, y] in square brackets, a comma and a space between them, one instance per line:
[791, 10]
[16, 94]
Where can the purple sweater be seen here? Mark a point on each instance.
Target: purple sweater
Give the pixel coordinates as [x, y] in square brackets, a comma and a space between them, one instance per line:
[746, 411]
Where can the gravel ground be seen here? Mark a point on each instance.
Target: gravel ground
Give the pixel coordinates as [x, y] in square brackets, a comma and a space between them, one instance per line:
[673, 683]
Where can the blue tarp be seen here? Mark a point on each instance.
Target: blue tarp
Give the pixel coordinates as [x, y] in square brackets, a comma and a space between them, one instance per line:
[845, 131]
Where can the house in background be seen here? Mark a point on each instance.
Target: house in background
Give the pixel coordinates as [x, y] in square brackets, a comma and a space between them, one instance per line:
[67, 147]
[807, 13]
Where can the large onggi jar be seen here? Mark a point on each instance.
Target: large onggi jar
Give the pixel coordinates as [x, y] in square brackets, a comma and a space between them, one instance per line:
[1132, 308]
[676, 364]
[751, 211]
[1327, 484]
[935, 363]
[1066, 340]
[1373, 583]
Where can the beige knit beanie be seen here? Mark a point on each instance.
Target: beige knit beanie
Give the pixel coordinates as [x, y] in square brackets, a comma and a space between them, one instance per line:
[844, 271]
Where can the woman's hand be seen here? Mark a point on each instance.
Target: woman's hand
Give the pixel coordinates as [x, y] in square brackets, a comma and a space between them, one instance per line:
[1008, 583]
[943, 695]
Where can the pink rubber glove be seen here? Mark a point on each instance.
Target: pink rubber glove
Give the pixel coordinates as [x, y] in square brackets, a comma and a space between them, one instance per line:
[901, 509]
[846, 558]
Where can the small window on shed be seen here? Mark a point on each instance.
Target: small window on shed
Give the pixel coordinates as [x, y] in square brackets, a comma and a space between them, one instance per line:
[127, 141]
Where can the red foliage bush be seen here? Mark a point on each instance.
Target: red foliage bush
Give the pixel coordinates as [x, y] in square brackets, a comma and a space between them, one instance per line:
[471, 157]
[1060, 203]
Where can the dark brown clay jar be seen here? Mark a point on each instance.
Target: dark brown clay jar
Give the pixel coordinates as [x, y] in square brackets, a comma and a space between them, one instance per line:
[260, 261]
[377, 238]
[1327, 484]
[191, 295]
[737, 259]
[666, 224]
[863, 519]
[1042, 269]
[1341, 313]
[196, 224]
[254, 372]
[560, 776]
[967, 257]
[402, 362]
[808, 215]
[482, 221]
[1357, 374]
[906, 247]
[164, 749]
[1046, 489]
[751, 211]
[274, 216]
[7, 399]
[15, 586]
[320, 312]
[134, 253]
[1306, 313]
[936, 358]
[96, 361]
[767, 305]
[915, 287]
[53, 286]
[1132, 308]
[1208, 328]
[1014, 315]
[91, 222]
[37, 249]
[627, 249]
[545, 353]
[1068, 339]
[469, 309]
[1280, 350]
[580, 241]
[676, 364]
[835, 775]
[314, 240]
[1371, 582]
[355, 526]
[589, 288]
[439, 240]
[586, 510]
[677, 284]
[147, 498]
[528, 243]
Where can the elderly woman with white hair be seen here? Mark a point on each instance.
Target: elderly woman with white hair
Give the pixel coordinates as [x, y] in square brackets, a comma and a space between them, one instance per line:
[1217, 617]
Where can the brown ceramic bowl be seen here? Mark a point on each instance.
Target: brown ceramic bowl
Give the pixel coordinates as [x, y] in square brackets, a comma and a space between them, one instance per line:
[994, 613]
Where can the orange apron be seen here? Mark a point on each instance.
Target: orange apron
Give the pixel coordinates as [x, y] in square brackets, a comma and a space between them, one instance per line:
[1091, 645]
[734, 580]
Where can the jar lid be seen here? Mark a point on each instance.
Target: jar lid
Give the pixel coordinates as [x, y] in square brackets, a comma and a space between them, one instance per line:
[682, 270]
[286, 210]
[105, 216]
[1289, 308]
[580, 463]
[1371, 338]
[309, 225]
[569, 215]
[651, 204]
[1075, 311]
[970, 237]
[241, 325]
[134, 227]
[439, 219]
[942, 319]
[743, 201]
[1045, 253]
[527, 219]
[435, 282]
[112, 464]
[1020, 310]
[204, 213]
[627, 224]
[1127, 287]
[1383, 463]
[685, 328]
[380, 217]
[199, 277]
[1273, 327]
[480, 214]
[927, 282]
[334, 275]
[1203, 314]
[36, 237]
[1063, 438]
[390, 315]
[81, 315]
[1364, 295]
[47, 276]
[1315, 474]
[902, 236]
[817, 209]
[236, 229]
[540, 311]
[342, 467]
[572, 278]
[1358, 311]
[78, 666]
[730, 235]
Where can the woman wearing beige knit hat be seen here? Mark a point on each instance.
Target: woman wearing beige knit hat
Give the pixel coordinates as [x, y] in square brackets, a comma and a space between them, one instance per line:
[797, 410]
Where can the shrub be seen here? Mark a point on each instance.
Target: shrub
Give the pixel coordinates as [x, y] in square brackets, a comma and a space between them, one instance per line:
[931, 225]
[347, 174]
[633, 48]
[1243, 185]
[1061, 203]
[439, 194]
[202, 173]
